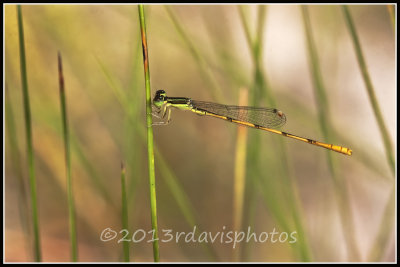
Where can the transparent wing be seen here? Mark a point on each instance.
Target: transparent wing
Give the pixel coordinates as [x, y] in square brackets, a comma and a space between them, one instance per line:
[266, 117]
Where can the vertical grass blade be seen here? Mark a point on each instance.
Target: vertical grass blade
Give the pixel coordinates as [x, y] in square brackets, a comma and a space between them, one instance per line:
[70, 196]
[387, 220]
[169, 176]
[240, 173]
[150, 141]
[253, 147]
[124, 213]
[261, 91]
[370, 89]
[246, 28]
[324, 121]
[319, 87]
[28, 130]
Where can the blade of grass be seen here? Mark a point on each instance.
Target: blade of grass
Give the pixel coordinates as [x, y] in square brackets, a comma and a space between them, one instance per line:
[253, 151]
[259, 80]
[80, 153]
[28, 130]
[150, 142]
[48, 172]
[387, 220]
[261, 90]
[130, 106]
[370, 89]
[324, 121]
[240, 173]
[70, 195]
[170, 178]
[261, 87]
[124, 213]
[382, 238]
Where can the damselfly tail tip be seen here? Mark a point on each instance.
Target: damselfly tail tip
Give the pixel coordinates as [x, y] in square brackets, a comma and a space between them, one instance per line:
[340, 149]
[346, 151]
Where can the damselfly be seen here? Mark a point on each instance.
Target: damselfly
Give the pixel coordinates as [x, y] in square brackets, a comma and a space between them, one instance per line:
[267, 119]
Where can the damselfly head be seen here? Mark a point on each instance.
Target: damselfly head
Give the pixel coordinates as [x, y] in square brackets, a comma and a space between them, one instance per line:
[159, 98]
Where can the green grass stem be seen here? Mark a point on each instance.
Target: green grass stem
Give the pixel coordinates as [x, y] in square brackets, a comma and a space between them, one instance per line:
[150, 141]
[240, 173]
[29, 142]
[261, 91]
[370, 89]
[70, 195]
[324, 121]
[387, 220]
[253, 148]
[168, 175]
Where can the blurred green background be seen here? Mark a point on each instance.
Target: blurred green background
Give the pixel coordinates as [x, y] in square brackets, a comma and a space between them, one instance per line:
[201, 52]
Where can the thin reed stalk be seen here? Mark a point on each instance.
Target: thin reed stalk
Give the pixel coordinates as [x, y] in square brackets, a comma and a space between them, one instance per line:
[324, 121]
[29, 142]
[382, 237]
[261, 91]
[168, 175]
[240, 173]
[70, 195]
[370, 89]
[150, 141]
[253, 148]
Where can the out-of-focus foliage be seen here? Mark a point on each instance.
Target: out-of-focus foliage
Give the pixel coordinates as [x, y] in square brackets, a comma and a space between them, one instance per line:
[104, 84]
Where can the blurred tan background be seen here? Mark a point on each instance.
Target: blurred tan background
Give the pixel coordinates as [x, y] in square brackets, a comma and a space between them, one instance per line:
[102, 59]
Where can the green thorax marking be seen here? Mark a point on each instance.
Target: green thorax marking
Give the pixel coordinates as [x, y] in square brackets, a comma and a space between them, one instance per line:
[179, 102]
